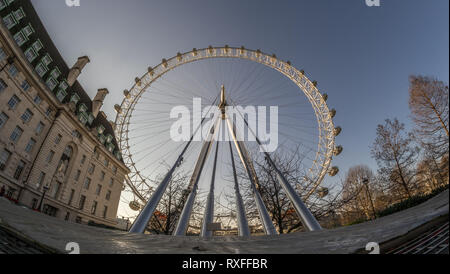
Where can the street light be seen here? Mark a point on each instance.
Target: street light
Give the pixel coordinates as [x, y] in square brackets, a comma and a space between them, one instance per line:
[366, 183]
[9, 61]
[45, 188]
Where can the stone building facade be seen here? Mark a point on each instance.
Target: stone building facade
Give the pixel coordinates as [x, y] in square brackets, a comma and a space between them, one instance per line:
[58, 152]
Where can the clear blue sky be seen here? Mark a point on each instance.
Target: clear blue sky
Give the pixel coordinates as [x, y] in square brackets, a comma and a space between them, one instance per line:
[361, 56]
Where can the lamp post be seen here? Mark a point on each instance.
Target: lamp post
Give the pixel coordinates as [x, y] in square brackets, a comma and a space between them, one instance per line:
[45, 188]
[366, 183]
[9, 61]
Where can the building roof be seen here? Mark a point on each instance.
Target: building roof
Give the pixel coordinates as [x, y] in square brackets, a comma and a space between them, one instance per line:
[31, 17]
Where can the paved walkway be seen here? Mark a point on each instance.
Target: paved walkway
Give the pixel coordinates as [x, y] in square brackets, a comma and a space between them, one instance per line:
[56, 234]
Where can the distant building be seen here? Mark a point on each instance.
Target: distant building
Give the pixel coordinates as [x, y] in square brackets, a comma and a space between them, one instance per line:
[53, 137]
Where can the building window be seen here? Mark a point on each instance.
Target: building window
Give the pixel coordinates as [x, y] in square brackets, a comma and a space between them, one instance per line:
[2, 54]
[61, 94]
[63, 85]
[102, 176]
[102, 138]
[30, 54]
[82, 108]
[27, 116]
[50, 156]
[82, 117]
[114, 169]
[76, 134]
[3, 119]
[12, 103]
[111, 182]
[37, 100]
[91, 118]
[19, 170]
[4, 157]
[108, 195]
[55, 73]
[105, 211]
[77, 175]
[51, 83]
[98, 190]
[49, 111]
[9, 21]
[37, 46]
[19, 14]
[87, 183]
[39, 128]
[41, 69]
[25, 85]
[72, 193]
[46, 60]
[94, 207]
[3, 85]
[41, 179]
[30, 146]
[82, 202]
[20, 38]
[28, 30]
[67, 216]
[106, 162]
[58, 139]
[100, 129]
[91, 169]
[83, 159]
[96, 153]
[13, 70]
[15, 135]
[75, 98]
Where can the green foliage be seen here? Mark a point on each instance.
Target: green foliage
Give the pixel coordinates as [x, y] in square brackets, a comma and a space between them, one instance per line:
[411, 202]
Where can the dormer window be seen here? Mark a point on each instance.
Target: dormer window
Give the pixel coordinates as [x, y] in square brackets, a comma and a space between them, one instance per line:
[41, 69]
[28, 30]
[30, 54]
[91, 118]
[20, 38]
[37, 46]
[102, 138]
[101, 129]
[82, 108]
[46, 59]
[75, 98]
[82, 117]
[2, 5]
[61, 94]
[118, 155]
[9, 21]
[19, 14]
[111, 147]
[51, 83]
[55, 73]
[63, 85]
[109, 138]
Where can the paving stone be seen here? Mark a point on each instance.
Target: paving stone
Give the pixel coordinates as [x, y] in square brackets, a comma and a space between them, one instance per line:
[57, 234]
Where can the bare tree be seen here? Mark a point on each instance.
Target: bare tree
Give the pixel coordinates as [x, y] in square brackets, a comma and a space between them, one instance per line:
[169, 208]
[396, 155]
[325, 204]
[428, 101]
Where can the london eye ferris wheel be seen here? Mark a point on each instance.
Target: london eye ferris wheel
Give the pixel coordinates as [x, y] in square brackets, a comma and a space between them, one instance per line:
[222, 76]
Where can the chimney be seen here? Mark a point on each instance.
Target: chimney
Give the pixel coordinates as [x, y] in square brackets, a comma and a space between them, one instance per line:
[75, 71]
[97, 103]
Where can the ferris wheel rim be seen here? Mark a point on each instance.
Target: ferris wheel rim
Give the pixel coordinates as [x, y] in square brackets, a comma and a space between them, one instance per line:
[326, 128]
